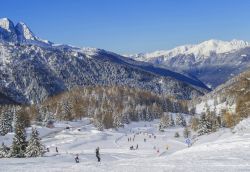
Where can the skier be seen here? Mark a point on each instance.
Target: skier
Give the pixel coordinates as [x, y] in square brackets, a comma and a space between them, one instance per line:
[47, 149]
[77, 158]
[97, 154]
[144, 139]
[56, 150]
[137, 146]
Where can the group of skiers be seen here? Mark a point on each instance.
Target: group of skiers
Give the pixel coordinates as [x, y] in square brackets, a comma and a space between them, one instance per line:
[97, 154]
[144, 139]
[97, 151]
[77, 160]
[133, 139]
[132, 147]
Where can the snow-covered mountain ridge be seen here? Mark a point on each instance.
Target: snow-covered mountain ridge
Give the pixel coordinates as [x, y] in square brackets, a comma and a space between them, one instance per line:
[203, 49]
[213, 62]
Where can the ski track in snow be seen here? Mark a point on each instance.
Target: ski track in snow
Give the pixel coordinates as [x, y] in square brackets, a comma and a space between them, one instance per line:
[220, 151]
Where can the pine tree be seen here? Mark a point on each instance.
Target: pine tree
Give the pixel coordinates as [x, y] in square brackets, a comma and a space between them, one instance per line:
[35, 147]
[149, 116]
[117, 121]
[166, 121]
[171, 123]
[125, 113]
[180, 120]
[4, 151]
[48, 118]
[99, 125]
[205, 125]
[19, 141]
[6, 119]
[156, 110]
[98, 120]
[125, 118]
[66, 110]
[211, 116]
[141, 113]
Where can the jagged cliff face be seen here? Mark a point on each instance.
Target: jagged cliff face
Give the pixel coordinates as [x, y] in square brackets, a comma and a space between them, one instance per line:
[32, 69]
[19, 33]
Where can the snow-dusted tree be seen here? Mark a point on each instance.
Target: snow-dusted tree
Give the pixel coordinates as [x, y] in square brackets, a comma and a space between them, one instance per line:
[186, 133]
[125, 114]
[6, 118]
[19, 143]
[149, 116]
[117, 120]
[40, 114]
[205, 125]
[156, 110]
[35, 148]
[20, 112]
[98, 120]
[214, 120]
[49, 117]
[141, 112]
[99, 125]
[4, 151]
[180, 120]
[44, 115]
[166, 121]
[66, 110]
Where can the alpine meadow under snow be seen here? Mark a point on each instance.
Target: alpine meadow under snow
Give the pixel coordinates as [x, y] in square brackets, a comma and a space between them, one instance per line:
[64, 108]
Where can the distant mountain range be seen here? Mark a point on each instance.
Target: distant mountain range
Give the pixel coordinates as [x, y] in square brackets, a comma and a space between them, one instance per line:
[31, 69]
[213, 61]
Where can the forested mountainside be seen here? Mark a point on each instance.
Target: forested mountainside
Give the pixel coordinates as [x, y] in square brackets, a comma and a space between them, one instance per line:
[32, 69]
[110, 107]
[231, 98]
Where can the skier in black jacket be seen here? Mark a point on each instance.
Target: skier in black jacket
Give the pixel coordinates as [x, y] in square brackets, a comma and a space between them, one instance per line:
[77, 158]
[97, 154]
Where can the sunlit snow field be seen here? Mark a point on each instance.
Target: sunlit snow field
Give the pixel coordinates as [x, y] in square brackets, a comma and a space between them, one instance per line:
[221, 151]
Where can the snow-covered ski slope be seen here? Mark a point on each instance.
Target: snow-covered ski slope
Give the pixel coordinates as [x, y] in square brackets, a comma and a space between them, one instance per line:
[224, 150]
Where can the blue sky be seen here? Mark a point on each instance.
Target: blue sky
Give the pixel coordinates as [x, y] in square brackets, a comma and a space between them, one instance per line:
[132, 26]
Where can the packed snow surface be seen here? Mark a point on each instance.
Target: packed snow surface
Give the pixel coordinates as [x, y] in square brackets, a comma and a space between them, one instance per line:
[220, 151]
